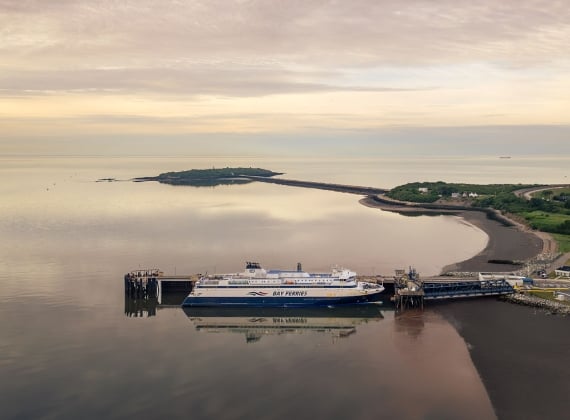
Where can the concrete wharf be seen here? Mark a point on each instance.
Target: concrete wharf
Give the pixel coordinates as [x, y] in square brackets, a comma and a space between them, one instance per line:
[408, 289]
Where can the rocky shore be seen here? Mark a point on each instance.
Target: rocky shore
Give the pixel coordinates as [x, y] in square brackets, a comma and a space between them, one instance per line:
[536, 302]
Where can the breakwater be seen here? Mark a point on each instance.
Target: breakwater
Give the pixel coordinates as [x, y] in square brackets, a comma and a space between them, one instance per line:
[351, 189]
[536, 302]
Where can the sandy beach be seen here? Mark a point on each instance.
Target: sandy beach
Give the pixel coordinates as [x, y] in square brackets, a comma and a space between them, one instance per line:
[506, 242]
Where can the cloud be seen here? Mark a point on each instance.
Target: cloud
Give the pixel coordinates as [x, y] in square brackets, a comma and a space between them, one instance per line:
[314, 33]
[273, 65]
[236, 81]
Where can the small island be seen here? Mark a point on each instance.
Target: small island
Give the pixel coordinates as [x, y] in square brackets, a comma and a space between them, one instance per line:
[211, 177]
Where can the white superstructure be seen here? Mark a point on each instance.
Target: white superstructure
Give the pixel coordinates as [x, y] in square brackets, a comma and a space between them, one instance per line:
[259, 287]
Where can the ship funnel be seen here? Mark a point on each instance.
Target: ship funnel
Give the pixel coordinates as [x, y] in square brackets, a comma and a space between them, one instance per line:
[299, 267]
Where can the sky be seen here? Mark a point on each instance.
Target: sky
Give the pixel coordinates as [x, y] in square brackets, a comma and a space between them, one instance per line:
[284, 77]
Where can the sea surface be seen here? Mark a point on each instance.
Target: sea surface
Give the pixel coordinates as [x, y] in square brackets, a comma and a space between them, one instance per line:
[72, 345]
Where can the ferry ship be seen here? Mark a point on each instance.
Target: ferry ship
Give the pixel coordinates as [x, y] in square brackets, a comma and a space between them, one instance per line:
[257, 287]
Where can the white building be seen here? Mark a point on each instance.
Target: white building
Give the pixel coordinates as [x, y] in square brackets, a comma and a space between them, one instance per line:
[563, 271]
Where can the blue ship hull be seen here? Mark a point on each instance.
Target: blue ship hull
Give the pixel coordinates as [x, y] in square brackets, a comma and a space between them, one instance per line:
[278, 302]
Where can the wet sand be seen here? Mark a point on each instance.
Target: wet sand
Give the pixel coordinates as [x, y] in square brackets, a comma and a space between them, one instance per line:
[505, 242]
[521, 354]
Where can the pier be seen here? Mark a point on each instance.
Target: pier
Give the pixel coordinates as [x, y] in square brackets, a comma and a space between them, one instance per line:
[411, 291]
[150, 289]
[150, 283]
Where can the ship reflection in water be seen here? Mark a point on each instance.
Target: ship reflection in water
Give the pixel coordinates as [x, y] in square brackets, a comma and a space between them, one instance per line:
[147, 307]
[254, 323]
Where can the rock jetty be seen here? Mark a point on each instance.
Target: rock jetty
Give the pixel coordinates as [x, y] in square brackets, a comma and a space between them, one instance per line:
[548, 305]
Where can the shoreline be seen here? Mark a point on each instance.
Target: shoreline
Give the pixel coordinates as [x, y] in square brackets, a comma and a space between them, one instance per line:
[520, 353]
[507, 239]
[507, 338]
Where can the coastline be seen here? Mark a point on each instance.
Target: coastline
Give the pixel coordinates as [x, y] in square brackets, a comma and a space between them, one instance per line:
[504, 243]
[508, 239]
[518, 349]
[520, 353]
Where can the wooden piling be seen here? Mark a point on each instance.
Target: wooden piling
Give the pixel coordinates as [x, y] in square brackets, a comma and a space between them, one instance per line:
[147, 284]
[409, 299]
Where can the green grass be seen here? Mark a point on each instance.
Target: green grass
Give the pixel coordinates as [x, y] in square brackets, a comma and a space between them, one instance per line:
[546, 211]
[543, 295]
[544, 220]
[548, 194]
[440, 189]
[212, 177]
[550, 222]
[563, 242]
[547, 296]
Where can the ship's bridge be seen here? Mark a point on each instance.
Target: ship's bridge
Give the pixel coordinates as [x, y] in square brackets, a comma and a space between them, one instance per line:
[253, 269]
[343, 274]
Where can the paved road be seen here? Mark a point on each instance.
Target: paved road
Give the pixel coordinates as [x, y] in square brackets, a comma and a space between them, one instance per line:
[560, 261]
[528, 192]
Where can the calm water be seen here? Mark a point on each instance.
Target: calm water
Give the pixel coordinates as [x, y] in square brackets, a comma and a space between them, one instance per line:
[70, 345]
